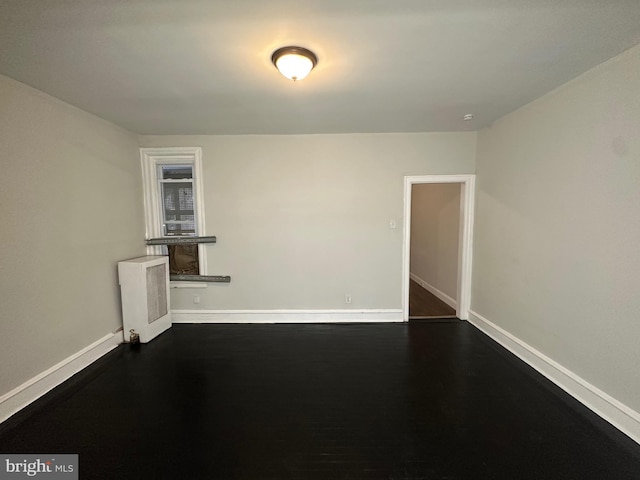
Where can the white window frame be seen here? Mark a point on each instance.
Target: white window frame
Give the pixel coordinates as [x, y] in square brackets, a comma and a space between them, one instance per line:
[151, 159]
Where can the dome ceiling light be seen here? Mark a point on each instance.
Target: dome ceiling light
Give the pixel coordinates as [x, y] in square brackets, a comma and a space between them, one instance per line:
[295, 63]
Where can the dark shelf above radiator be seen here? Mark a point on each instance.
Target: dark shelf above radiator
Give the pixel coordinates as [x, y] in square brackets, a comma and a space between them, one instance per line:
[201, 278]
[180, 240]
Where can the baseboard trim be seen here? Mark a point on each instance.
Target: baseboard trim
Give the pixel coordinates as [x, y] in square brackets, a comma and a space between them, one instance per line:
[615, 412]
[438, 293]
[21, 396]
[286, 316]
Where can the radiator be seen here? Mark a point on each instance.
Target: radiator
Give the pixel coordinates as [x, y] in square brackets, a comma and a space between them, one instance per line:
[144, 289]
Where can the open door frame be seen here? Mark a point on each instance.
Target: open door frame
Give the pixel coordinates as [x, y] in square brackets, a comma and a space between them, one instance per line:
[465, 244]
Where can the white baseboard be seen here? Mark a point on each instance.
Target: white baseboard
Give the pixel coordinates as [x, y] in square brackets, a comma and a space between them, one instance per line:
[615, 412]
[21, 396]
[438, 293]
[286, 316]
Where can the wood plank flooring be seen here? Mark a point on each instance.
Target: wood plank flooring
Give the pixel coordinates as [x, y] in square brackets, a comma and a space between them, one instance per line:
[424, 304]
[382, 401]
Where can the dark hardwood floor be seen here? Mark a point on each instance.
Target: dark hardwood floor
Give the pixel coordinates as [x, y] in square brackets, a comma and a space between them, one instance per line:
[424, 304]
[381, 401]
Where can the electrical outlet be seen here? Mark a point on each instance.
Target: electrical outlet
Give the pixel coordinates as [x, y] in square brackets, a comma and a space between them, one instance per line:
[347, 298]
[196, 299]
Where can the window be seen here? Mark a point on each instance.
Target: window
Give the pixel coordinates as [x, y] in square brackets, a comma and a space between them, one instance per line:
[172, 184]
[178, 212]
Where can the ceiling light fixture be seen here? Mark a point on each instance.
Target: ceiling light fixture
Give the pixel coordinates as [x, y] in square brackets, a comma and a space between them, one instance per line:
[294, 63]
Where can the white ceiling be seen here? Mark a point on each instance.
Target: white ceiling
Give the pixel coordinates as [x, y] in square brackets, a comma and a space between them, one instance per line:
[203, 66]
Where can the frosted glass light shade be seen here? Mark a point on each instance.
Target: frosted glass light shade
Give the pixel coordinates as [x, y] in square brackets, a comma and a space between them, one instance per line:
[294, 67]
[295, 63]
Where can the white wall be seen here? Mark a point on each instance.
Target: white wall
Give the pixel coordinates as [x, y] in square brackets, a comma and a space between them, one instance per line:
[557, 237]
[303, 220]
[435, 232]
[70, 207]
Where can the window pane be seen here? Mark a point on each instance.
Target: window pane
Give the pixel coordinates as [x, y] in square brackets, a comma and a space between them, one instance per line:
[177, 172]
[178, 213]
[175, 229]
[177, 197]
[185, 198]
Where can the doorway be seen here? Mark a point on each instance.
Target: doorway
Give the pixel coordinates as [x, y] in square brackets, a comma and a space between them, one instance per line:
[465, 232]
[435, 234]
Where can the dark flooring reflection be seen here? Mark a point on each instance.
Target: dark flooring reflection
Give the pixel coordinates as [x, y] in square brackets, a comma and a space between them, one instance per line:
[392, 401]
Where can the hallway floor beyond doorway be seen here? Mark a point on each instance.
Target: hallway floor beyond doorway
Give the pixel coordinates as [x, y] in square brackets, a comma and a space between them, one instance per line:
[425, 305]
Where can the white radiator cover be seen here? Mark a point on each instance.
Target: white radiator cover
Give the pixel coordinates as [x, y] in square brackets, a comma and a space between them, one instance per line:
[144, 288]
